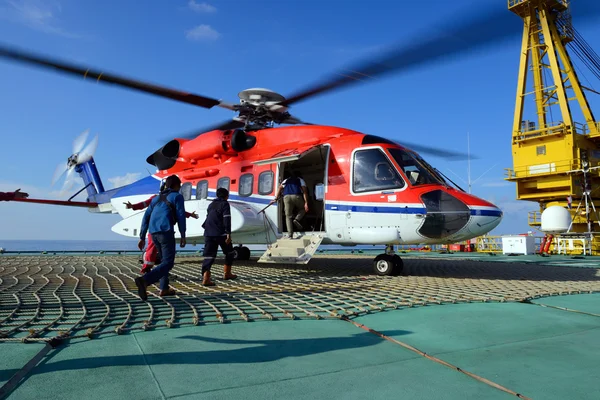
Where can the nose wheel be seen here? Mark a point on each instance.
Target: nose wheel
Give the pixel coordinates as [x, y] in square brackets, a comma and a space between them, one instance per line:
[388, 264]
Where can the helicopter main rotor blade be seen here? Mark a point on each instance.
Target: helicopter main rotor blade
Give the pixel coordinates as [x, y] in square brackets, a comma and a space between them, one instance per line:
[447, 154]
[223, 126]
[40, 61]
[487, 28]
[232, 124]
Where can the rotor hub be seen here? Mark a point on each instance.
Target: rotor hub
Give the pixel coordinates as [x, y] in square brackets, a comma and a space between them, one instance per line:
[72, 160]
[259, 96]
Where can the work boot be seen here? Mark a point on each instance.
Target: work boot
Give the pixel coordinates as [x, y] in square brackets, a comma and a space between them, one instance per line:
[141, 285]
[227, 274]
[206, 279]
[168, 292]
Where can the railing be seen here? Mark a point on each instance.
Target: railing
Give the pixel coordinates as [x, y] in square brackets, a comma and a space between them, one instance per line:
[489, 244]
[554, 128]
[534, 218]
[542, 169]
[512, 3]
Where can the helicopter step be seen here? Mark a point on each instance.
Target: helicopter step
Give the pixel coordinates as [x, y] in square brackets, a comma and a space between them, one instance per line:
[292, 251]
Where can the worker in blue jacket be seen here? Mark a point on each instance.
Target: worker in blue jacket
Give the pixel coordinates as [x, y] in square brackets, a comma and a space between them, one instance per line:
[165, 210]
[217, 232]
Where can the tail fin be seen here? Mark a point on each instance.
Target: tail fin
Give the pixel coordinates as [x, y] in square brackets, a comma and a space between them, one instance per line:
[89, 173]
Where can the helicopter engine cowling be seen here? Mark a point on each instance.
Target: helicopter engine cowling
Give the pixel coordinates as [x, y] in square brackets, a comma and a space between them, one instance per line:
[208, 145]
[165, 157]
[215, 144]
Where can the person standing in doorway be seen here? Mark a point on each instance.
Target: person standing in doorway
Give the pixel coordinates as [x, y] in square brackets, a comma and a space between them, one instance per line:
[217, 232]
[295, 202]
[165, 210]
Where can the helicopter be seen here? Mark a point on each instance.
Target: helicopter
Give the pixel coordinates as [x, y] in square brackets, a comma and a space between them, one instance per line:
[363, 189]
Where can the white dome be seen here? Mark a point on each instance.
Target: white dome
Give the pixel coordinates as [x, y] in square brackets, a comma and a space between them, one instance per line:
[556, 219]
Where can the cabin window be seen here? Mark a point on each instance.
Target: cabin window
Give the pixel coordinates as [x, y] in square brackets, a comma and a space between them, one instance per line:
[202, 190]
[265, 183]
[415, 168]
[186, 191]
[372, 171]
[246, 183]
[223, 183]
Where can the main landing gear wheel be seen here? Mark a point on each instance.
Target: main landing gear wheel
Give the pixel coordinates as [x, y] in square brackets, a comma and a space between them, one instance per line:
[242, 253]
[385, 264]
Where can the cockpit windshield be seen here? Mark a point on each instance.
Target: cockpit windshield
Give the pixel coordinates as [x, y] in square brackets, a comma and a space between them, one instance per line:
[415, 168]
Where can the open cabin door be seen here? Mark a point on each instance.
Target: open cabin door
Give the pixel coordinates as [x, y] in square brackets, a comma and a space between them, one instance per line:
[311, 164]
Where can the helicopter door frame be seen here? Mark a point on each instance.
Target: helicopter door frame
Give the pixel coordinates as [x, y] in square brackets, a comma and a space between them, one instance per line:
[281, 168]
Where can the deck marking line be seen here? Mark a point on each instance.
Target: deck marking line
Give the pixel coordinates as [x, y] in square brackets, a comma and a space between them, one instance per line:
[560, 308]
[413, 349]
[149, 368]
[14, 381]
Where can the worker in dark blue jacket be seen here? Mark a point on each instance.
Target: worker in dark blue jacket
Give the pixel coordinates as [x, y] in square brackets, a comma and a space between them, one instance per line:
[217, 232]
[165, 210]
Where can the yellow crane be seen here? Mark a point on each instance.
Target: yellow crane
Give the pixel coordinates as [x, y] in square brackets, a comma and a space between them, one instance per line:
[555, 154]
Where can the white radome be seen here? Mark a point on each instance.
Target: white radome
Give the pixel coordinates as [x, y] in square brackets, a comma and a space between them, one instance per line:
[556, 219]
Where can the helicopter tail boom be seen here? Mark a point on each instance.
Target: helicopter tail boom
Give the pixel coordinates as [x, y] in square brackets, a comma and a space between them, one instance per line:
[91, 178]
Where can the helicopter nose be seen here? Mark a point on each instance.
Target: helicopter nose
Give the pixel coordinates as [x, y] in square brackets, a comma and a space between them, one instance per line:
[484, 219]
[448, 217]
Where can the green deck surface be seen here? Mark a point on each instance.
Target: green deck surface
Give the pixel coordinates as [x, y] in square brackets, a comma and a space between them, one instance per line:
[536, 351]
[284, 359]
[539, 352]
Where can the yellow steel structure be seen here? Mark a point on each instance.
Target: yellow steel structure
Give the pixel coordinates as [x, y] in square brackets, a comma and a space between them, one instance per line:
[548, 154]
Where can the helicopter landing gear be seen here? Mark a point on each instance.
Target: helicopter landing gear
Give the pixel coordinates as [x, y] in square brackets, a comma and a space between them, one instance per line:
[388, 263]
[241, 253]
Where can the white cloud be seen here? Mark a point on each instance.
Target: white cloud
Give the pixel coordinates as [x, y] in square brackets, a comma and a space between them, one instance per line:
[36, 14]
[202, 32]
[201, 7]
[126, 179]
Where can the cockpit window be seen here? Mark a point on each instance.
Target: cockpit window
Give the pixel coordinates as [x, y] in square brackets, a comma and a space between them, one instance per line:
[373, 171]
[415, 168]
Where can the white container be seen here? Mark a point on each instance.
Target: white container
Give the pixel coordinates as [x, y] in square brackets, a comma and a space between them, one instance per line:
[518, 245]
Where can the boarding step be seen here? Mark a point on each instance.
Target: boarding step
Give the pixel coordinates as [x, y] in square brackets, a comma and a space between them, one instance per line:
[292, 251]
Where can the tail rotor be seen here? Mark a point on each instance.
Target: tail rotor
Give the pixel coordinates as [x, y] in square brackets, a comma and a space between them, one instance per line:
[82, 153]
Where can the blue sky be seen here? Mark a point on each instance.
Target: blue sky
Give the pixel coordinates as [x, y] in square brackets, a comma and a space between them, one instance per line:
[218, 48]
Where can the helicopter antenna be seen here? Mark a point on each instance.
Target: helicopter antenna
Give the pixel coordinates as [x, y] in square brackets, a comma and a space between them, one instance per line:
[469, 162]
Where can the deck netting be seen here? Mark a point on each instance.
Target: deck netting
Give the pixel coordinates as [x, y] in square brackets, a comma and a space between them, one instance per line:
[77, 296]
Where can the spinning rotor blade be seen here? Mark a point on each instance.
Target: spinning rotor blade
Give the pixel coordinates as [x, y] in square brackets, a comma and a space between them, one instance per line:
[79, 141]
[233, 124]
[69, 181]
[60, 170]
[487, 28]
[88, 152]
[29, 58]
[225, 125]
[437, 152]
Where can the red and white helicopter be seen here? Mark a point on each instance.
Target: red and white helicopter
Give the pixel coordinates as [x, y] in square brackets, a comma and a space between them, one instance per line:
[364, 189]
